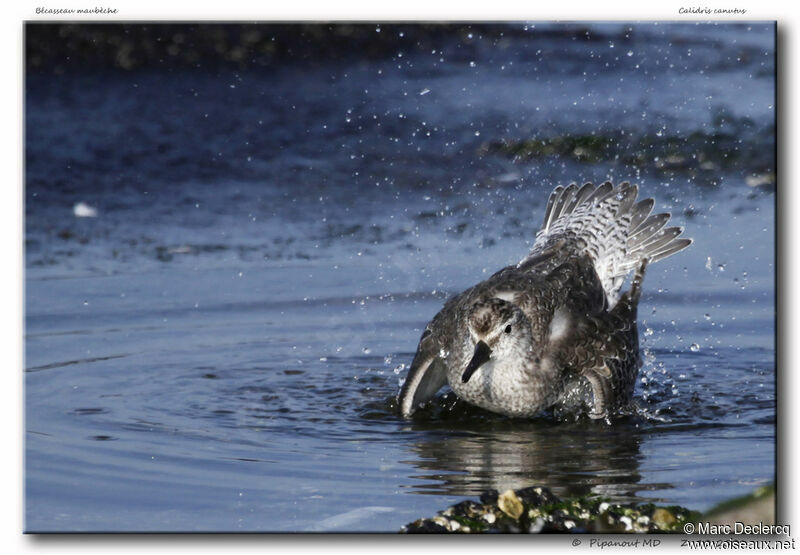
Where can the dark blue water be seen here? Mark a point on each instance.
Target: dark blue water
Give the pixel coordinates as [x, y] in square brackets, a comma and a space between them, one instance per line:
[220, 347]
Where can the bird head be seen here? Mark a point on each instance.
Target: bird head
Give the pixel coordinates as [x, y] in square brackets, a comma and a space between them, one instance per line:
[498, 329]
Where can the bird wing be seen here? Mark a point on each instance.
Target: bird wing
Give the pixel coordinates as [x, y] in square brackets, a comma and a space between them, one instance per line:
[611, 226]
[604, 348]
[426, 376]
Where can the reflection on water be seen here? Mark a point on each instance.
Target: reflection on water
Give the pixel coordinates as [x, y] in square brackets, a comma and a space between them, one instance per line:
[572, 460]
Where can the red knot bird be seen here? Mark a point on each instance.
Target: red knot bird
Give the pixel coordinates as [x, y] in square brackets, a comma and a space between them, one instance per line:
[519, 342]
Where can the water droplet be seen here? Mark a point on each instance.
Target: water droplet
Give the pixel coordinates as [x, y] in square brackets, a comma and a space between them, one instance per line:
[707, 316]
[366, 350]
[694, 347]
[648, 332]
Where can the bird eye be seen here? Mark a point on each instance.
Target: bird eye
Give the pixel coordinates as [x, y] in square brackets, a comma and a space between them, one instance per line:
[508, 328]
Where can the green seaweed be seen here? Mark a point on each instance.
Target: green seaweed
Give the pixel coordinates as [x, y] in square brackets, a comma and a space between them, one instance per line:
[732, 145]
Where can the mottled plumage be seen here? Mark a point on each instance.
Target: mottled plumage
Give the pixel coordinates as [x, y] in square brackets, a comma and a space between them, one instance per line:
[516, 343]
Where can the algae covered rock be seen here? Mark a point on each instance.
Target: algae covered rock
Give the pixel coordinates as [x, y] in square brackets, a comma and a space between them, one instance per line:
[538, 510]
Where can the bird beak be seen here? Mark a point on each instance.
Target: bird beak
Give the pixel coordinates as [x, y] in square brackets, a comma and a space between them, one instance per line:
[481, 355]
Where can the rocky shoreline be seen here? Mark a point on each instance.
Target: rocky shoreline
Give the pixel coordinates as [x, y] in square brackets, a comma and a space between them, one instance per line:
[538, 510]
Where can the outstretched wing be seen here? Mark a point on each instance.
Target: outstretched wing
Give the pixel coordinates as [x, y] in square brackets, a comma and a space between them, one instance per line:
[608, 224]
